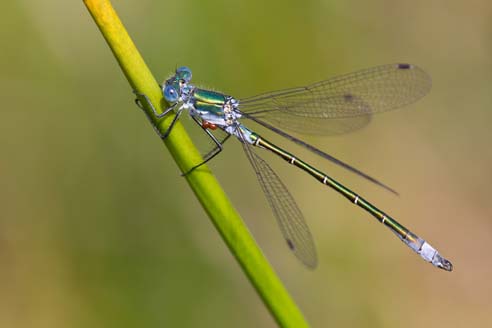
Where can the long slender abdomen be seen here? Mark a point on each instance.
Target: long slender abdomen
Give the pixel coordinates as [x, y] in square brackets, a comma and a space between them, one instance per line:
[417, 244]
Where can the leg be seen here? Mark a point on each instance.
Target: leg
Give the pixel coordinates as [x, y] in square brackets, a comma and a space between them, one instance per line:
[157, 115]
[211, 154]
[147, 100]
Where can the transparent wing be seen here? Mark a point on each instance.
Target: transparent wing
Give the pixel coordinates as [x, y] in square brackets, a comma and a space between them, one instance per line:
[289, 216]
[316, 125]
[340, 104]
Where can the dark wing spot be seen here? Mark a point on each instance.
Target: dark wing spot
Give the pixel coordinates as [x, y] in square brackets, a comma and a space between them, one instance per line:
[290, 244]
[348, 97]
[404, 66]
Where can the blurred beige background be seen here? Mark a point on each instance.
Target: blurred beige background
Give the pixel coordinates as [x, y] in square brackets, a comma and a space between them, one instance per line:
[81, 245]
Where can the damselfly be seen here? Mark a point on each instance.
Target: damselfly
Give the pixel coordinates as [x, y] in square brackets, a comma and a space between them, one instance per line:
[333, 106]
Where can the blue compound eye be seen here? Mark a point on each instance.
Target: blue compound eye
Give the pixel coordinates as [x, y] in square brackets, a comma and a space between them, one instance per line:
[184, 73]
[170, 94]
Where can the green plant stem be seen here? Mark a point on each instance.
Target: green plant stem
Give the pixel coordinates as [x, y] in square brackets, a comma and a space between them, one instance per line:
[206, 188]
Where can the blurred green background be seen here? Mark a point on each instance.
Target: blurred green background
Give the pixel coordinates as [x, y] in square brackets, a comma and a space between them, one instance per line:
[82, 244]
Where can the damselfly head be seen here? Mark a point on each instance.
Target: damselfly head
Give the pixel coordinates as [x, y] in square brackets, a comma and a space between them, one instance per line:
[177, 85]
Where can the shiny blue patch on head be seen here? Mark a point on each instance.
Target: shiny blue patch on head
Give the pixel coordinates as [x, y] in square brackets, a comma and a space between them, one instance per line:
[171, 94]
[184, 73]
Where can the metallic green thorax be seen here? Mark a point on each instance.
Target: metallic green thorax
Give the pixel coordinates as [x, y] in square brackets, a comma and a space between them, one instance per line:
[403, 233]
[210, 97]
[210, 101]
